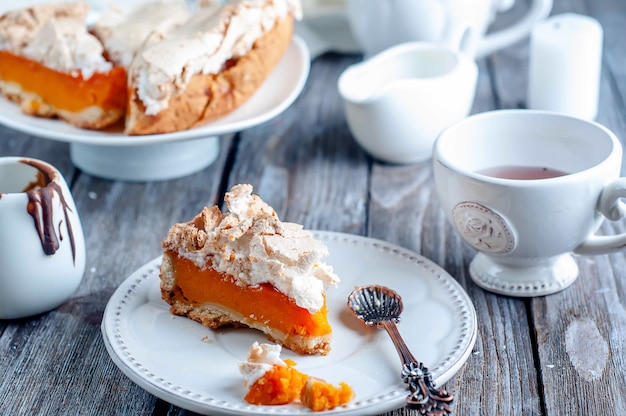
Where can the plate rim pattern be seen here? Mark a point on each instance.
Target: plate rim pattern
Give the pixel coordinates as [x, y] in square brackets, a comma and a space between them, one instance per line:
[126, 294]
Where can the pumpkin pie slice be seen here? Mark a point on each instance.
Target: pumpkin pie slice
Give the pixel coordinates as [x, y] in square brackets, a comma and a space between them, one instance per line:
[53, 67]
[247, 268]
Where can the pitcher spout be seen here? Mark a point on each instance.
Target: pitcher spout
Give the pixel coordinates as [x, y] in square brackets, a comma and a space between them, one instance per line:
[399, 100]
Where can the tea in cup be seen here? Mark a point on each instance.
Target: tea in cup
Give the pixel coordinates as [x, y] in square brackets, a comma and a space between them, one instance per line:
[527, 189]
[459, 24]
[42, 247]
[398, 101]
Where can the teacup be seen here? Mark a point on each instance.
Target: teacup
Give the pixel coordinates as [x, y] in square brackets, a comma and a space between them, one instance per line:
[527, 189]
[42, 247]
[398, 101]
[459, 24]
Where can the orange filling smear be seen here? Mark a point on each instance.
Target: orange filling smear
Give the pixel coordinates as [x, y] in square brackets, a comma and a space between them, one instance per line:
[284, 384]
[280, 385]
[64, 90]
[262, 303]
[319, 395]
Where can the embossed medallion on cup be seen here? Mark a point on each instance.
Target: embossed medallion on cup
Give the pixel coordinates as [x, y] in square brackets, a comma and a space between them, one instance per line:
[527, 189]
[42, 247]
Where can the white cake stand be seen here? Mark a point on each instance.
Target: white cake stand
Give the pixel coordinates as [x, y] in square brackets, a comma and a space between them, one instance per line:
[113, 155]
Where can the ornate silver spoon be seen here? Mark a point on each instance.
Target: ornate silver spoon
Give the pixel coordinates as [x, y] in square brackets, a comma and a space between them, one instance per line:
[381, 307]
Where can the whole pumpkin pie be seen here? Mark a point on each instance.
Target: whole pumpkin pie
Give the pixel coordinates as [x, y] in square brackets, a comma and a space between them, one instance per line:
[247, 268]
[53, 67]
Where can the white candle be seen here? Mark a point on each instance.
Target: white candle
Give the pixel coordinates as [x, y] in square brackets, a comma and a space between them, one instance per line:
[565, 65]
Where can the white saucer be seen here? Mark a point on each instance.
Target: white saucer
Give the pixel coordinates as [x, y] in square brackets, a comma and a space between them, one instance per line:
[537, 277]
[195, 368]
[113, 155]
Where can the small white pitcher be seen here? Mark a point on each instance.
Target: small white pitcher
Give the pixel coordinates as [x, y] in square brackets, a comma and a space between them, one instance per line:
[459, 24]
[42, 247]
[398, 101]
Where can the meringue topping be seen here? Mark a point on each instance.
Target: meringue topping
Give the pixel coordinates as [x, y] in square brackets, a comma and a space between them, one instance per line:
[203, 44]
[124, 31]
[261, 359]
[251, 244]
[54, 35]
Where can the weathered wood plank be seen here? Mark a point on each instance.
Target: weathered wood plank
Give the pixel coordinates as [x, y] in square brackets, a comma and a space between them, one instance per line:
[580, 332]
[583, 328]
[496, 379]
[305, 163]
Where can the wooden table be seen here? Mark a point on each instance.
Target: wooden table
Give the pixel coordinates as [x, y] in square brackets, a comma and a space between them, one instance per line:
[563, 354]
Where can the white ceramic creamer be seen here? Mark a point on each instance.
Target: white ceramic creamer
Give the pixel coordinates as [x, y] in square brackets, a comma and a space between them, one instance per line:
[459, 24]
[398, 101]
[42, 247]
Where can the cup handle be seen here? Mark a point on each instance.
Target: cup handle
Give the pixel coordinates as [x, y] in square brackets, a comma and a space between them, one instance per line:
[539, 10]
[614, 209]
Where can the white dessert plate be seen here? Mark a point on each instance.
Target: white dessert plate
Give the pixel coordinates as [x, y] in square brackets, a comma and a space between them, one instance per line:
[196, 368]
[280, 89]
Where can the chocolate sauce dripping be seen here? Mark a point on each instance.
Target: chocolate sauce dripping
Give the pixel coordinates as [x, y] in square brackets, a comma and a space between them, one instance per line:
[40, 193]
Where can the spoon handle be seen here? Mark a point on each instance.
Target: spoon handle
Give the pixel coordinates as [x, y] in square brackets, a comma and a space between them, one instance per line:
[424, 396]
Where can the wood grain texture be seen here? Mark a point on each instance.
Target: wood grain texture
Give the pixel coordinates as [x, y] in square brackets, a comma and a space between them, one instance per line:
[592, 310]
[564, 354]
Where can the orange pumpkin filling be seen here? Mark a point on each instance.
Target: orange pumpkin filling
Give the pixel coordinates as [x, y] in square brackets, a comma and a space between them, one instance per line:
[263, 303]
[283, 384]
[319, 395]
[66, 91]
[280, 385]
